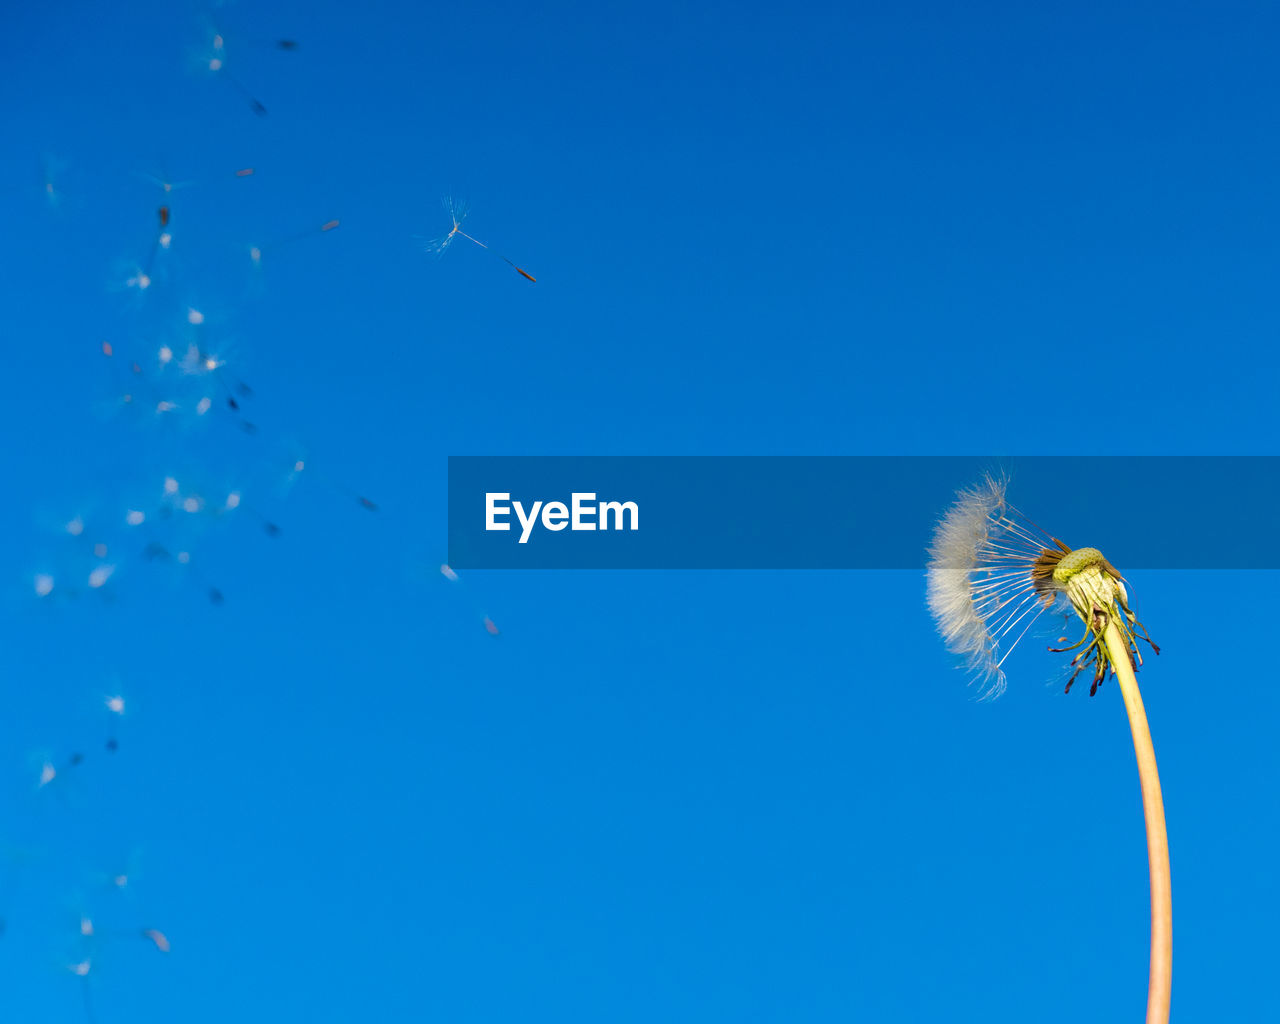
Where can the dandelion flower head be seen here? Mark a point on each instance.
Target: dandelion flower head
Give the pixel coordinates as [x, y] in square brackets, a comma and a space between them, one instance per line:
[993, 573]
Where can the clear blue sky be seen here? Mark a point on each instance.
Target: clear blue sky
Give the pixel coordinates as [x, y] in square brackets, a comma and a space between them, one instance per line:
[804, 229]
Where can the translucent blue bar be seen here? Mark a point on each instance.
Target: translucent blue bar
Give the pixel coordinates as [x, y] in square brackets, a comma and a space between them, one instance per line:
[861, 512]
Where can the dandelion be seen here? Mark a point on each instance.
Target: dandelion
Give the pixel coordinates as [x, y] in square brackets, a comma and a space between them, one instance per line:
[992, 574]
[457, 214]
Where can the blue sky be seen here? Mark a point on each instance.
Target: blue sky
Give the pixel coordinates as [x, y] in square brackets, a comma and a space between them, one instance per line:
[685, 796]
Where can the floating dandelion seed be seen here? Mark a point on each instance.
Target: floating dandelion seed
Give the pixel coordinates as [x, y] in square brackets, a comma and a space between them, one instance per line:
[457, 214]
[449, 573]
[157, 937]
[99, 576]
[164, 184]
[115, 705]
[43, 584]
[992, 574]
[167, 186]
[301, 465]
[256, 251]
[216, 61]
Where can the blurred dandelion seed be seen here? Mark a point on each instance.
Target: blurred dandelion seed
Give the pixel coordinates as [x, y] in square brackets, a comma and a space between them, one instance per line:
[158, 938]
[992, 573]
[216, 62]
[457, 211]
[99, 576]
[450, 574]
[256, 252]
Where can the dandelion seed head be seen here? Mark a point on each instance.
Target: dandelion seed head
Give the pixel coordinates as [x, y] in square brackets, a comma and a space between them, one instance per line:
[987, 581]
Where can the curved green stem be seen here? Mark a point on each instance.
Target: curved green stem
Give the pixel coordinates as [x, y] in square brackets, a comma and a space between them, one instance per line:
[1161, 977]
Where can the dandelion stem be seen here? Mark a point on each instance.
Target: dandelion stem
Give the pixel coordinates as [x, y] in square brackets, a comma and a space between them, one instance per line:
[1161, 976]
